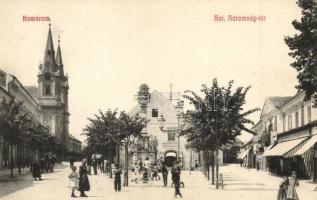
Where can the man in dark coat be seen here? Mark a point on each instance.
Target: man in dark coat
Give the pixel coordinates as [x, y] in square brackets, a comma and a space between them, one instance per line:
[176, 172]
[83, 179]
[36, 170]
[164, 173]
[94, 165]
[117, 178]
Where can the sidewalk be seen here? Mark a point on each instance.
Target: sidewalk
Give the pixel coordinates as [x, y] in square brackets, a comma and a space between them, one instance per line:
[21, 181]
[240, 178]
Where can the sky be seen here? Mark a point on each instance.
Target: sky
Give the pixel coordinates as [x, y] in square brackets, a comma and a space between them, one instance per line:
[111, 47]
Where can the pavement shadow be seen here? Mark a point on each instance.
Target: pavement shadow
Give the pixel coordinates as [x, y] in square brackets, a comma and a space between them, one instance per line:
[9, 185]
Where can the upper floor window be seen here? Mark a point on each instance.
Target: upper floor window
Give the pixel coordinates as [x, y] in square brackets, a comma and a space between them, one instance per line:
[296, 119]
[308, 114]
[289, 122]
[275, 123]
[302, 114]
[171, 136]
[47, 90]
[284, 123]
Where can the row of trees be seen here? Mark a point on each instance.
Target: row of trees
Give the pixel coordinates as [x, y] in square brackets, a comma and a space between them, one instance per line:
[109, 130]
[19, 128]
[217, 119]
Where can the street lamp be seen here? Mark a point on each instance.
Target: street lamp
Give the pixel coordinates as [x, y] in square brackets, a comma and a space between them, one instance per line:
[180, 123]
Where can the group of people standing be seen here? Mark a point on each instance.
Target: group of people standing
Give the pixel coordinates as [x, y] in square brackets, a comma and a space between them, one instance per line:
[80, 181]
[44, 165]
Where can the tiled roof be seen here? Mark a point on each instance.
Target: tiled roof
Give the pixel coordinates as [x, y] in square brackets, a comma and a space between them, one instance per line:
[73, 137]
[279, 101]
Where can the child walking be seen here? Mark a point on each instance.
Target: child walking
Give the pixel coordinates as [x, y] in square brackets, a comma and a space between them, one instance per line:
[73, 181]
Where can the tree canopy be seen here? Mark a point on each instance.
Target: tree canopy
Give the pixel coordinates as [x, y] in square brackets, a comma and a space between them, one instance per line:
[217, 117]
[304, 49]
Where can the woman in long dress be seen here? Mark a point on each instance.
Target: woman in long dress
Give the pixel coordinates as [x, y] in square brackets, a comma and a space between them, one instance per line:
[291, 190]
[283, 189]
[83, 179]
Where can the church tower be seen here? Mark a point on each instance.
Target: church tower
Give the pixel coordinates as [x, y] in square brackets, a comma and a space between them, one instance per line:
[53, 91]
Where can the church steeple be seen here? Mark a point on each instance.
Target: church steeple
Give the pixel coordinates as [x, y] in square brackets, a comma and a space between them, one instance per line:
[59, 60]
[49, 54]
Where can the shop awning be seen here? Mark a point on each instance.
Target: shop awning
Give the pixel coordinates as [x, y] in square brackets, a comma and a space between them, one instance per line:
[171, 154]
[244, 153]
[310, 143]
[283, 147]
[267, 150]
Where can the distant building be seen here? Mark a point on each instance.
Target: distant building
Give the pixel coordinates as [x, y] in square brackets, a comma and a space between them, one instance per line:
[166, 141]
[74, 146]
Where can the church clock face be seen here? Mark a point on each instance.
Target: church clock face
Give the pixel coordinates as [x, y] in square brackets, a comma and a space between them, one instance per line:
[47, 77]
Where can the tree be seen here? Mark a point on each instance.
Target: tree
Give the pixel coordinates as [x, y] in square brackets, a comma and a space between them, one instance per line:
[304, 49]
[108, 129]
[217, 118]
[131, 126]
[11, 118]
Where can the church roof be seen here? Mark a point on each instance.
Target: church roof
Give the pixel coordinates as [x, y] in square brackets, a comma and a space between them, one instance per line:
[59, 60]
[32, 90]
[49, 54]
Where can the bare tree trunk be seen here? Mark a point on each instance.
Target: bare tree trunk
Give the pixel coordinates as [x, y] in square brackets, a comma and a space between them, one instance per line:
[212, 168]
[217, 169]
[19, 158]
[110, 160]
[126, 165]
[118, 154]
[11, 163]
[208, 165]
[205, 160]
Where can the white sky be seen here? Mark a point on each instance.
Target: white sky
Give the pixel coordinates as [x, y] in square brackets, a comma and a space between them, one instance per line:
[110, 47]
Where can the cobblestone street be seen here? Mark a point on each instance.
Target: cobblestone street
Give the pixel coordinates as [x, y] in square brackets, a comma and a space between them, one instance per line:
[239, 184]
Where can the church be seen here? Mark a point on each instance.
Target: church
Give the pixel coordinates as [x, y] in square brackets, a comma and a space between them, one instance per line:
[52, 91]
[47, 102]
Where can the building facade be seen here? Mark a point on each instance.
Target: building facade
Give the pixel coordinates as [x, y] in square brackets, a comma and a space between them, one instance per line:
[287, 136]
[166, 147]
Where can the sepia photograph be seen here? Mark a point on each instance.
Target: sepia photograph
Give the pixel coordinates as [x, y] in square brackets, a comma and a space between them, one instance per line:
[158, 100]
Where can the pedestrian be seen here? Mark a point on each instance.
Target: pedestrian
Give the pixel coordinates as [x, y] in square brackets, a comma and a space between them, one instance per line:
[176, 172]
[36, 170]
[196, 165]
[89, 163]
[291, 190]
[71, 162]
[117, 178]
[281, 195]
[155, 173]
[145, 175]
[83, 179]
[258, 166]
[140, 164]
[164, 173]
[94, 165]
[73, 181]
